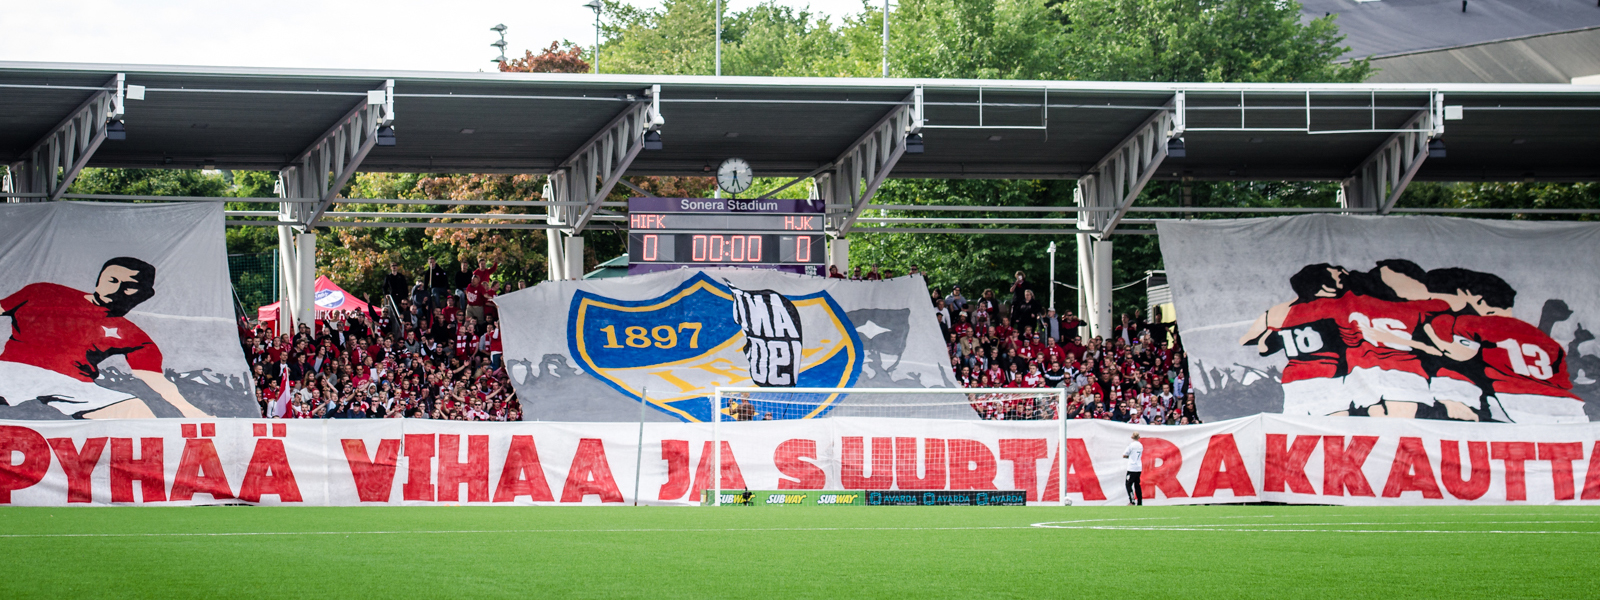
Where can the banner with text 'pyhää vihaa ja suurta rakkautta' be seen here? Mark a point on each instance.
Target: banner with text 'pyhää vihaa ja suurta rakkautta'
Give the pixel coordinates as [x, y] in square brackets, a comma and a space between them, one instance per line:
[118, 311]
[590, 350]
[1411, 317]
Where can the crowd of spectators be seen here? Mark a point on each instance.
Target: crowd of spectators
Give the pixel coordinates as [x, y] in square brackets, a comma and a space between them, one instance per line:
[1138, 375]
[430, 350]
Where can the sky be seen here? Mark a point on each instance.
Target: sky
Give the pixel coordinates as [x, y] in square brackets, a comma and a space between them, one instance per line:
[343, 34]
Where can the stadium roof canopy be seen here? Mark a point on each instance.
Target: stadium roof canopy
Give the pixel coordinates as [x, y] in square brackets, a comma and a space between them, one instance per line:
[587, 131]
[246, 118]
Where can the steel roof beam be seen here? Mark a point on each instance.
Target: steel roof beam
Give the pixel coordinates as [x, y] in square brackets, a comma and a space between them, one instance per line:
[46, 170]
[587, 176]
[849, 185]
[1118, 178]
[1377, 184]
[323, 168]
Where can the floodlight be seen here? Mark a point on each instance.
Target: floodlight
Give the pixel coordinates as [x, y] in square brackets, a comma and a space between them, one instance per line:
[1436, 148]
[593, 5]
[385, 136]
[115, 130]
[1175, 148]
[652, 140]
[498, 28]
[914, 143]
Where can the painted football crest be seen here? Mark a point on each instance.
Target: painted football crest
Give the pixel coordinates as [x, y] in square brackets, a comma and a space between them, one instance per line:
[682, 344]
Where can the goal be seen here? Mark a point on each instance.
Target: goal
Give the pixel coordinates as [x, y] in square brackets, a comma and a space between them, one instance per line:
[929, 414]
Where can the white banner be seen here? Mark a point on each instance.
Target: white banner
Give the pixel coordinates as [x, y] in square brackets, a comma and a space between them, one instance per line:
[1427, 318]
[590, 350]
[118, 311]
[1312, 460]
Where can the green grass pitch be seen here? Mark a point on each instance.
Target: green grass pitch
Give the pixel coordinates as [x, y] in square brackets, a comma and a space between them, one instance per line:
[803, 552]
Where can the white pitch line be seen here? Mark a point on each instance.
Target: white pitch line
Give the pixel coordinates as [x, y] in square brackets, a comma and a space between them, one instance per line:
[478, 531]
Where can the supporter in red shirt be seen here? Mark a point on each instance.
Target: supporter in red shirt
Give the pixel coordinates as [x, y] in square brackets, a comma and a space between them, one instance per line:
[59, 337]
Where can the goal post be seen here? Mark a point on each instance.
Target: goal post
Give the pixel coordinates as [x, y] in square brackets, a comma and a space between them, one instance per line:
[952, 404]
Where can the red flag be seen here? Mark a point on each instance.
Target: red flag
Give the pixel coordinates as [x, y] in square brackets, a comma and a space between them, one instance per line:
[282, 406]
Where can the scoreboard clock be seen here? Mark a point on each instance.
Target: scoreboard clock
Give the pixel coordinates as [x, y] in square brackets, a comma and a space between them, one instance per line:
[669, 233]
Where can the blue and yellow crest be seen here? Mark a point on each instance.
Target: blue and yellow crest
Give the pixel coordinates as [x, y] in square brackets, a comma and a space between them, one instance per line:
[682, 344]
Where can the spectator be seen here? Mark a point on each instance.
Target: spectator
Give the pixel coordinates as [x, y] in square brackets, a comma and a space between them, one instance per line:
[475, 298]
[396, 284]
[955, 301]
[438, 282]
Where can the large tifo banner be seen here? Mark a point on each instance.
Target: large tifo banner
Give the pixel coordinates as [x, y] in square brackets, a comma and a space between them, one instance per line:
[118, 311]
[1272, 458]
[591, 350]
[1410, 317]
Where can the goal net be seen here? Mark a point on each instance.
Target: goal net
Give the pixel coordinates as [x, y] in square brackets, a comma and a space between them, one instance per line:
[935, 437]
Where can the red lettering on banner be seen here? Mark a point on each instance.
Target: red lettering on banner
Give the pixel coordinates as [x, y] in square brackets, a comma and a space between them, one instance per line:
[374, 476]
[934, 474]
[852, 457]
[1450, 469]
[268, 474]
[1341, 465]
[1561, 457]
[200, 472]
[1286, 464]
[1591, 479]
[1515, 455]
[1411, 471]
[1081, 478]
[35, 459]
[590, 474]
[1024, 456]
[1162, 460]
[972, 465]
[453, 472]
[77, 464]
[732, 477]
[147, 470]
[799, 474]
[522, 475]
[676, 453]
[1223, 468]
[419, 467]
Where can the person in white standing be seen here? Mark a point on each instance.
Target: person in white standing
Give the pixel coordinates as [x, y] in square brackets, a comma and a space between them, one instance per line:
[1135, 456]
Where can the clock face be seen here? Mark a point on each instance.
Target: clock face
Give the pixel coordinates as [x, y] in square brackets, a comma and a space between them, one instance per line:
[734, 176]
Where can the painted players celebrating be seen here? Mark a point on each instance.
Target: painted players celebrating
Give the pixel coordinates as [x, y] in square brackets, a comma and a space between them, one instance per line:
[1401, 342]
[60, 336]
[1515, 370]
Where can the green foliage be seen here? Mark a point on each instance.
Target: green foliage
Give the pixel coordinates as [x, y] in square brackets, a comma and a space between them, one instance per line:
[1506, 195]
[1201, 40]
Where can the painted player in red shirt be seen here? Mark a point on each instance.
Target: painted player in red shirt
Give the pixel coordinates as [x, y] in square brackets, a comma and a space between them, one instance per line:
[59, 337]
[1521, 373]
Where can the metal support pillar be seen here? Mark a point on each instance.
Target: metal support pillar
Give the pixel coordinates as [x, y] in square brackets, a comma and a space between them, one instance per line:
[50, 166]
[288, 267]
[855, 176]
[1094, 284]
[574, 257]
[305, 277]
[1377, 184]
[839, 254]
[1114, 183]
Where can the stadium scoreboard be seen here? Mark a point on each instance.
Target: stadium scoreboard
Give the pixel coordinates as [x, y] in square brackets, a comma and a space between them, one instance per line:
[669, 233]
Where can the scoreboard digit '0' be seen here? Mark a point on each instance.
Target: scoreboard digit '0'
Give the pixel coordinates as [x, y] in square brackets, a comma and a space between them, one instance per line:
[668, 233]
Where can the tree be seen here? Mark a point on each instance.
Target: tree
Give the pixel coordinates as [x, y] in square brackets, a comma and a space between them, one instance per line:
[560, 57]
